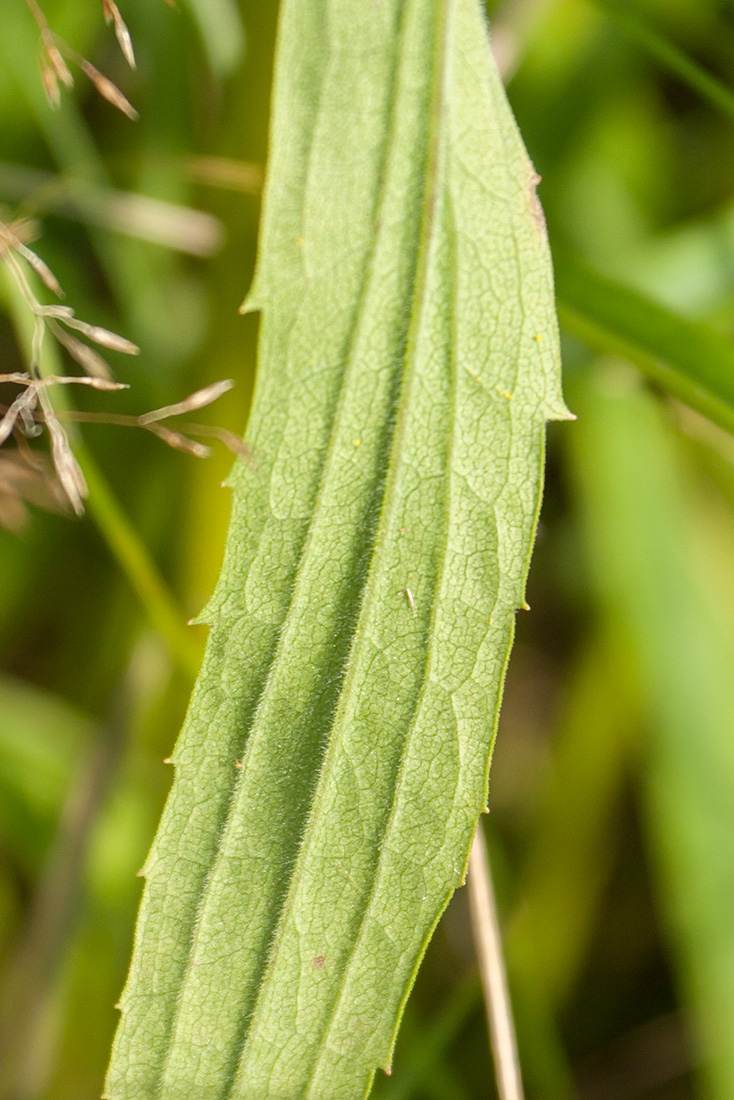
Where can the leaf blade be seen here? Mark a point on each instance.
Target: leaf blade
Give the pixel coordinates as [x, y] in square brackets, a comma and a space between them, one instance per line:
[391, 502]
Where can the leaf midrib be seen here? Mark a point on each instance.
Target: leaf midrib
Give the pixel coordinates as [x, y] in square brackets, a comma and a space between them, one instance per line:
[429, 228]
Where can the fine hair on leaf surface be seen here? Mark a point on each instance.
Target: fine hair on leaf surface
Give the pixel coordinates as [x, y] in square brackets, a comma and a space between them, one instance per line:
[334, 761]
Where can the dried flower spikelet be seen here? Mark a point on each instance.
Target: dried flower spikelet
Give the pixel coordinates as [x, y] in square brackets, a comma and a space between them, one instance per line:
[107, 385]
[194, 401]
[107, 89]
[179, 441]
[52, 64]
[24, 403]
[87, 358]
[68, 470]
[99, 335]
[17, 232]
[61, 313]
[50, 83]
[41, 269]
[234, 443]
[112, 14]
[55, 59]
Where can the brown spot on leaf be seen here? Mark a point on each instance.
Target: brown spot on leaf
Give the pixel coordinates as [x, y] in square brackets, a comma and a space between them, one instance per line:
[536, 208]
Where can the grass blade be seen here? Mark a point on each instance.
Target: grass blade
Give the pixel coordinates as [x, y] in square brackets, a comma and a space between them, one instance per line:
[643, 530]
[687, 358]
[222, 33]
[671, 56]
[569, 861]
[334, 762]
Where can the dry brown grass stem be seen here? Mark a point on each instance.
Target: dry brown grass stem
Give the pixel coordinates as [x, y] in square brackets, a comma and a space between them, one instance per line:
[492, 969]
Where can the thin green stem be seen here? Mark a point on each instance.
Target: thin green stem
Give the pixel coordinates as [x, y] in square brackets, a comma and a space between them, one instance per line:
[135, 562]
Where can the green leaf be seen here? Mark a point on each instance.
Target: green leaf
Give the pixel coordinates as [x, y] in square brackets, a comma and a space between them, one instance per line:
[335, 757]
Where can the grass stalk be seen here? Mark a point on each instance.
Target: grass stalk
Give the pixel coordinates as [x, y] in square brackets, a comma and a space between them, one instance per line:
[488, 946]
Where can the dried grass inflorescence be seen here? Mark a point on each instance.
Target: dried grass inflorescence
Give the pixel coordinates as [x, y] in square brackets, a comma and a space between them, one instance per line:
[23, 477]
[54, 52]
[26, 477]
[22, 413]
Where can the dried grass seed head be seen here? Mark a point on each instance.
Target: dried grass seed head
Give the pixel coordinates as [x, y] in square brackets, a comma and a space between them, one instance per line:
[111, 14]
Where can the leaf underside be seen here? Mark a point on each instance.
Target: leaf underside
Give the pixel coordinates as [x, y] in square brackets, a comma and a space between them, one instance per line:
[335, 758]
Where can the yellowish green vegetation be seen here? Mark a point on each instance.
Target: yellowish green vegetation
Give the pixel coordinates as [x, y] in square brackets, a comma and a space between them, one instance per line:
[334, 757]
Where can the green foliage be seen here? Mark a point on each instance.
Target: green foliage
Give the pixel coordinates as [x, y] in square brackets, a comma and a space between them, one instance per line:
[40, 739]
[627, 470]
[611, 777]
[689, 359]
[334, 761]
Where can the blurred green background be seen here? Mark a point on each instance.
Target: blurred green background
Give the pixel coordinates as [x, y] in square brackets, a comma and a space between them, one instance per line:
[612, 798]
